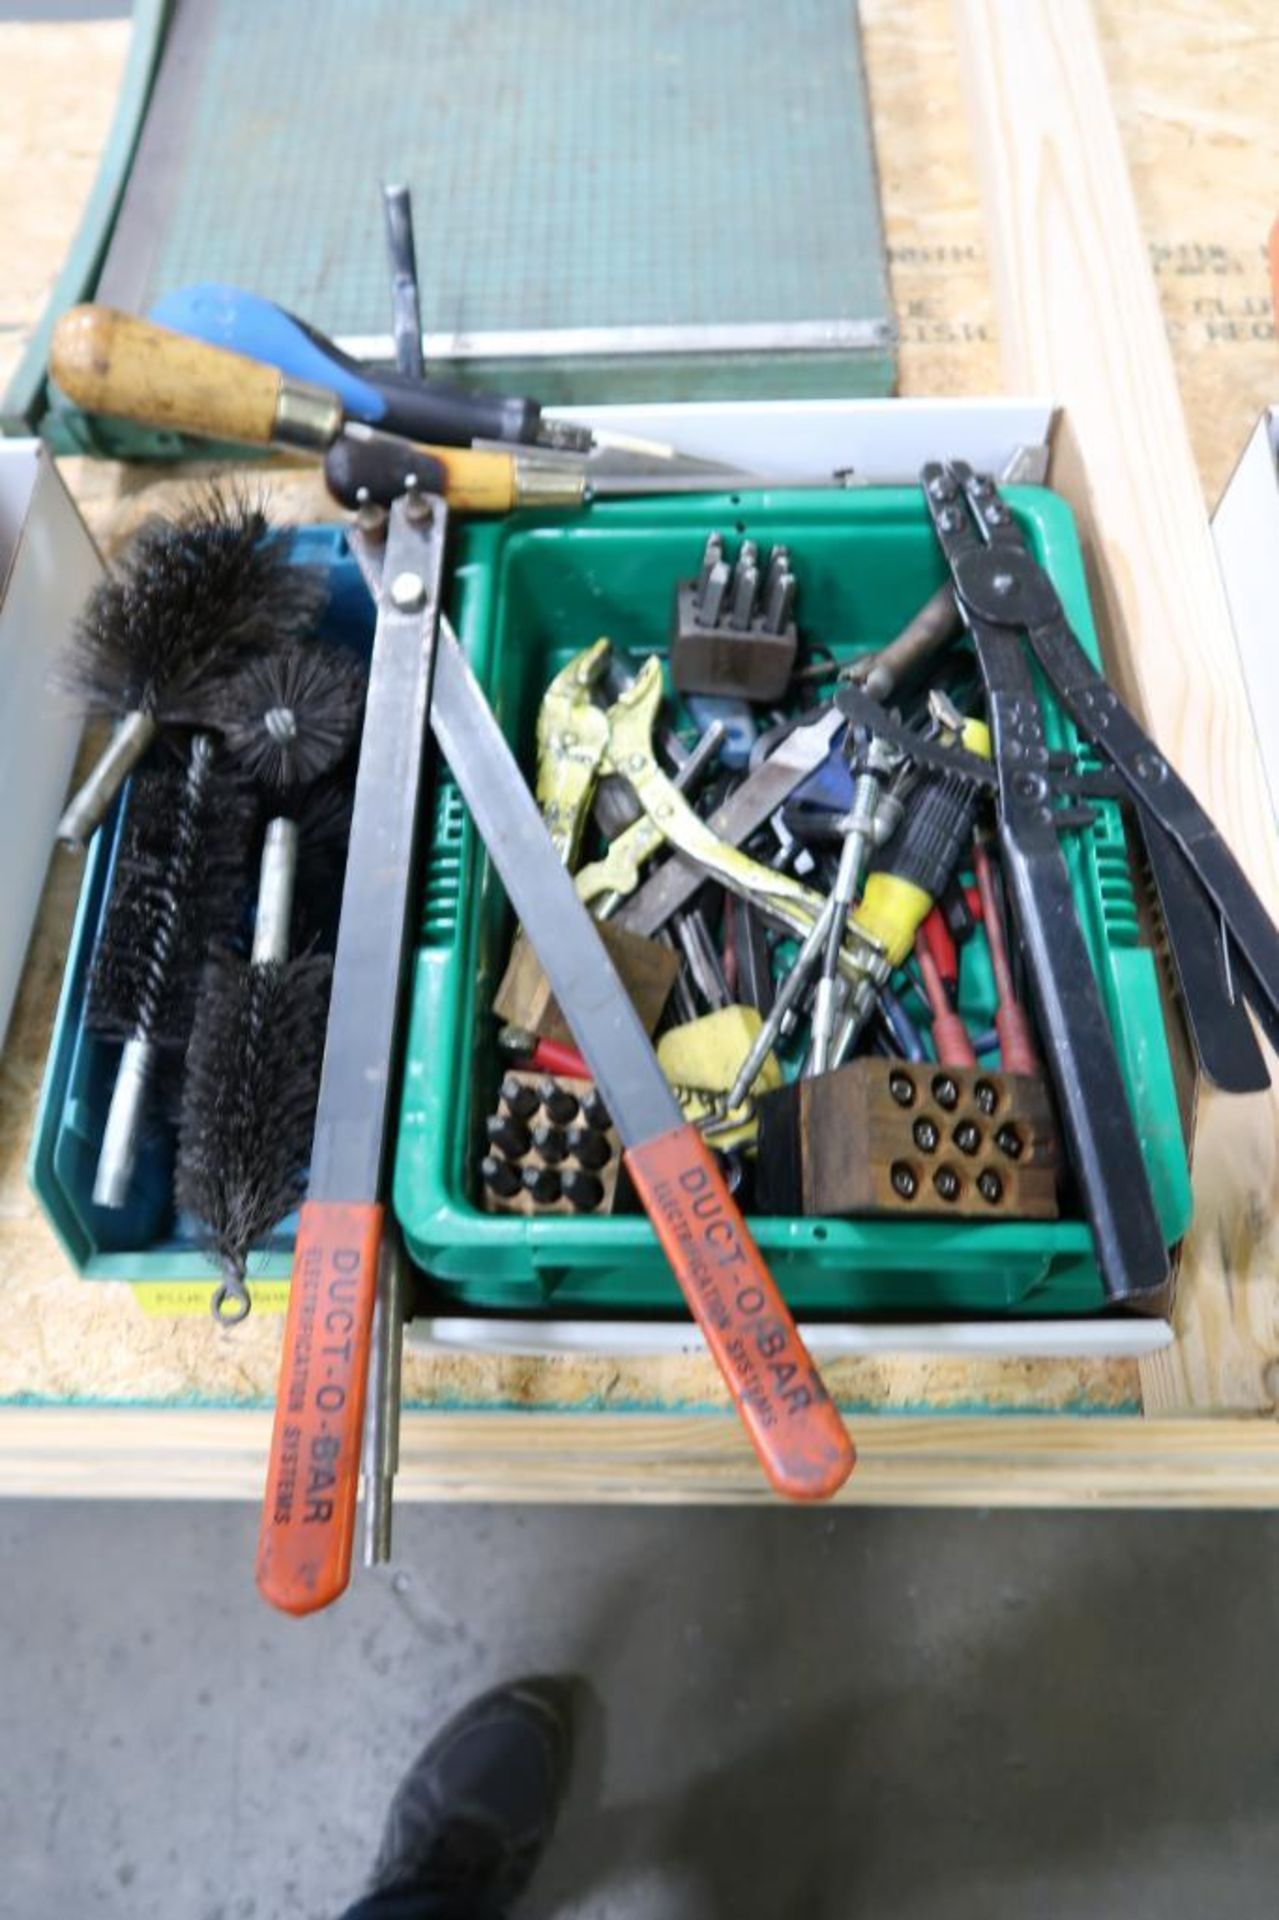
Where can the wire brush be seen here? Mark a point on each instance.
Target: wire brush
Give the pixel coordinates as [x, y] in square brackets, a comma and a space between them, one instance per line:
[289, 718]
[324, 830]
[191, 599]
[252, 1081]
[288, 721]
[252, 1078]
[179, 879]
[248, 1105]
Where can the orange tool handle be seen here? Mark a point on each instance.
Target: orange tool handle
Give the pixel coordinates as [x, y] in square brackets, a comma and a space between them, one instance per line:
[111, 362]
[793, 1424]
[552, 1056]
[1017, 1050]
[940, 942]
[313, 1475]
[951, 1040]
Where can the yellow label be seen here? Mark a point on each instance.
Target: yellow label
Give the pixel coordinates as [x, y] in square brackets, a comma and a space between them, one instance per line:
[170, 1299]
[976, 737]
[891, 913]
[701, 1060]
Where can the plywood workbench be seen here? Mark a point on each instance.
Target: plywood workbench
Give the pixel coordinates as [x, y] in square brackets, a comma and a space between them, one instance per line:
[97, 1398]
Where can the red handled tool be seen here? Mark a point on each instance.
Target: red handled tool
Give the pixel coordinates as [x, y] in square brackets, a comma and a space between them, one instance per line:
[950, 1035]
[793, 1425]
[308, 1519]
[308, 1523]
[1017, 1051]
[935, 934]
[552, 1056]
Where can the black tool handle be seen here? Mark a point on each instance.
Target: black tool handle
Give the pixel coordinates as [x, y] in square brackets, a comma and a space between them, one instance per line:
[1001, 583]
[936, 831]
[378, 469]
[1105, 1148]
[1160, 792]
[1000, 591]
[1204, 963]
[433, 410]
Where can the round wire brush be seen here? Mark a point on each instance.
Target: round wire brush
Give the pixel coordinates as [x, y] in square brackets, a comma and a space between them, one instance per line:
[287, 722]
[191, 599]
[288, 718]
[179, 879]
[252, 1082]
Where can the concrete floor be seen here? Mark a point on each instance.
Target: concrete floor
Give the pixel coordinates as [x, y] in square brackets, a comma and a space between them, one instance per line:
[828, 1715]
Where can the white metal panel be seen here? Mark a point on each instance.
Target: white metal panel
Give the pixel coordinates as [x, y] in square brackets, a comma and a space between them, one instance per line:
[49, 563]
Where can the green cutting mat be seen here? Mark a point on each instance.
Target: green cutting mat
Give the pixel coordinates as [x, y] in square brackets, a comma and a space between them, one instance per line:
[576, 164]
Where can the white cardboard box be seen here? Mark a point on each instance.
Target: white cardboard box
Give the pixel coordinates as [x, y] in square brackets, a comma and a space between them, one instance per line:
[48, 564]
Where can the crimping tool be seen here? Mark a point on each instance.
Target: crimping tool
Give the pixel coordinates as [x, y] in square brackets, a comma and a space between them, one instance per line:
[1224, 947]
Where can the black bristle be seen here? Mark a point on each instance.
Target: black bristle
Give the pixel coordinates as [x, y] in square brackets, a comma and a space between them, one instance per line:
[248, 1103]
[323, 814]
[189, 600]
[179, 881]
[288, 718]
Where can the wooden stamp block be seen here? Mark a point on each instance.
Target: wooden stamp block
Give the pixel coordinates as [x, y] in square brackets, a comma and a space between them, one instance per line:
[892, 1136]
[524, 998]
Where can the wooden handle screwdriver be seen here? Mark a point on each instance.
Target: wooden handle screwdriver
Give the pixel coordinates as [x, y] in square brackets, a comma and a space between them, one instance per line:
[113, 363]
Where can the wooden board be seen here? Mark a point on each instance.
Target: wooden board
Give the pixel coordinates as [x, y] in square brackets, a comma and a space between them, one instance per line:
[1079, 319]
[929, 1461]
[1197, 124]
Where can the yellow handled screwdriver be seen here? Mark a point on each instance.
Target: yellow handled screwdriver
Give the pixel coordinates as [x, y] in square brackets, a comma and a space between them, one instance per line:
[113, 363]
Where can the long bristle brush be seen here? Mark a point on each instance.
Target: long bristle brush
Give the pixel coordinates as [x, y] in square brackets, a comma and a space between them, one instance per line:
[179, 881]
[190, 600]
[253, 1068]
[323, 820]
[252, 1081]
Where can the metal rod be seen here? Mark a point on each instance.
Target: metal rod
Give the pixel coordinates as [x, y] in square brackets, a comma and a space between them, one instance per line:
[702, 960]
[406, 312]
[859, 828]
[88, 807]
[924, 635]
[382, 1409]
[274, 921]
[788, 995]
[123, 1131]
[696, 759]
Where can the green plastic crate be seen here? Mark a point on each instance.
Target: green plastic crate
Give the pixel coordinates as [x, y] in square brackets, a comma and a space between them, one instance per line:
[529, 593]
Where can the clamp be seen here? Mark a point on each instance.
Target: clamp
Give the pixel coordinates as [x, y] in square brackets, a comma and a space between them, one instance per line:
[573, 760]
[572, 734]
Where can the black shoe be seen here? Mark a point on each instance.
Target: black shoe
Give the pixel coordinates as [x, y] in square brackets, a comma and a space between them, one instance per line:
[472, 1816]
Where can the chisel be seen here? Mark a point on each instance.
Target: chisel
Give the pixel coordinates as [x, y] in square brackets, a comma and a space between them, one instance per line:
[109, 362]
[364, 463]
